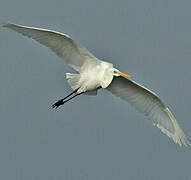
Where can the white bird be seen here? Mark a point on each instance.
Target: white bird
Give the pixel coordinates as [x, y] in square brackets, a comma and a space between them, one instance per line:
[95, 73]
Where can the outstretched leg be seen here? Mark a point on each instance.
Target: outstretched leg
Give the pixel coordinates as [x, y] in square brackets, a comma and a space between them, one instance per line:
[69, 95]
[63, 101]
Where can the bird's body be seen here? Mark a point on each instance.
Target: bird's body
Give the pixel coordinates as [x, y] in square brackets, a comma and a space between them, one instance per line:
[94, 74]
[92, 77]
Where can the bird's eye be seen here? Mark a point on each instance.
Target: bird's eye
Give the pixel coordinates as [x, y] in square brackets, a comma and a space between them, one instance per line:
[115, 72]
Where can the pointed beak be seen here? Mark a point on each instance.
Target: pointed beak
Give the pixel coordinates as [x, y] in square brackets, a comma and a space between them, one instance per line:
[124, 75]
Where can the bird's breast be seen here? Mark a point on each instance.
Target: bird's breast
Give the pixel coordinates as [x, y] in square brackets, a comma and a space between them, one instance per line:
[90, 80]
[94, 77]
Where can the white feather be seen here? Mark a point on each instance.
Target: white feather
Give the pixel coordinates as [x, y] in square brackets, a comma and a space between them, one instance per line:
[148, 103]
[95, 73]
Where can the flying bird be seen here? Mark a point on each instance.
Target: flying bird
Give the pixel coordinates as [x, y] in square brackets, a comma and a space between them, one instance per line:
[94, 74]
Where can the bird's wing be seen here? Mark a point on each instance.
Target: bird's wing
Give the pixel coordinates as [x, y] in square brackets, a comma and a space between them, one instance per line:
[150, 105]
[74, 54]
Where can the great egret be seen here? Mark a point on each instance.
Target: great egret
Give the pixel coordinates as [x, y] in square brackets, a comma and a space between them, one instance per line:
[94, 74]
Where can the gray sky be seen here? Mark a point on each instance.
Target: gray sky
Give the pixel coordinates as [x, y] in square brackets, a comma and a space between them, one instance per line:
[93, 138]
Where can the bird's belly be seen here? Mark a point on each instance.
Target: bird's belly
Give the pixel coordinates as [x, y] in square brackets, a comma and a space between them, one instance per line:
[91, 79]
[89, 82]
[92, 84]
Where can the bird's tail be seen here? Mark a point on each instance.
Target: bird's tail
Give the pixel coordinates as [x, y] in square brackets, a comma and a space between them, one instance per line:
[73, 80]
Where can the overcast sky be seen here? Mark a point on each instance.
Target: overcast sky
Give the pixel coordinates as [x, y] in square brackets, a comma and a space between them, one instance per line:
[102, 137]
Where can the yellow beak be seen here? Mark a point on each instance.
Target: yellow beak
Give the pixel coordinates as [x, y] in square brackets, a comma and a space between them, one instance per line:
[124, 75]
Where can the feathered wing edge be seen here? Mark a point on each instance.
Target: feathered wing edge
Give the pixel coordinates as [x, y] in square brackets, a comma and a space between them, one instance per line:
[131, 91]
[61, 44]
[179, 136]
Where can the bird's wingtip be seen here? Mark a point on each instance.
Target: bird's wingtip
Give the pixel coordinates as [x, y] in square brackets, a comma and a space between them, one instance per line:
[184, 140]
[179, 137]
[4, 24]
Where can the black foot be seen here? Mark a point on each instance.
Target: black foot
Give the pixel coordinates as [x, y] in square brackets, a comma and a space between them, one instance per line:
[57, 104]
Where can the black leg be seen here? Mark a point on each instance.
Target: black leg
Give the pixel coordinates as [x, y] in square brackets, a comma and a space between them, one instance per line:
[58, 103]
[61, 102]
[69, 95]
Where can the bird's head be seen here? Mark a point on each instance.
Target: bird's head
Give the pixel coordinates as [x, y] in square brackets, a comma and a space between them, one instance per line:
[116, 72]
[108, 73]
